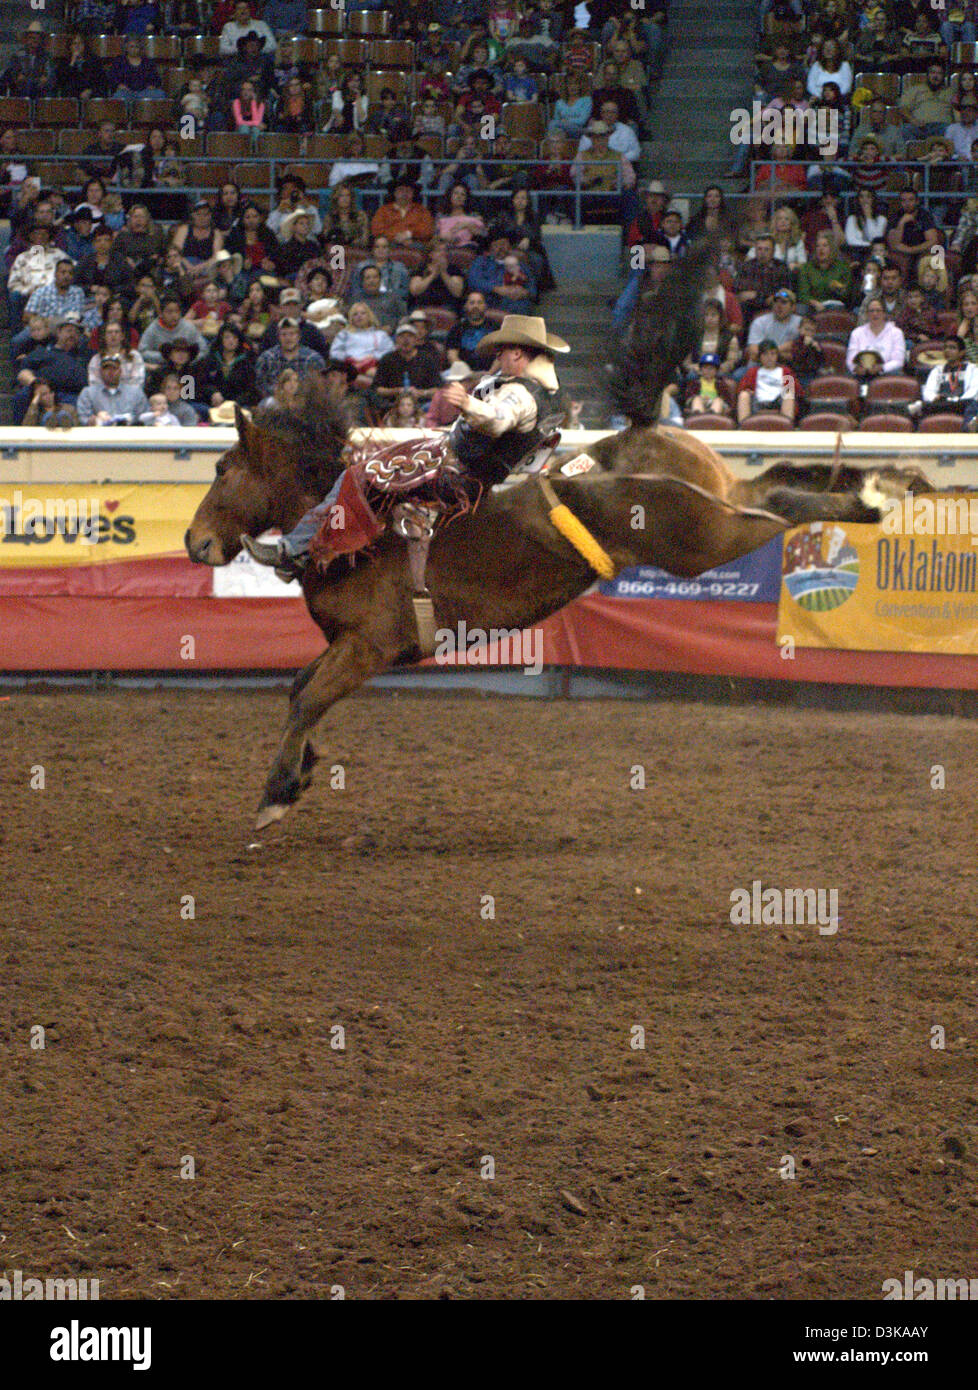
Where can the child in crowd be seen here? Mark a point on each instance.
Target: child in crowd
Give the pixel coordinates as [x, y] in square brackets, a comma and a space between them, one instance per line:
[707, 398]
[159, 412]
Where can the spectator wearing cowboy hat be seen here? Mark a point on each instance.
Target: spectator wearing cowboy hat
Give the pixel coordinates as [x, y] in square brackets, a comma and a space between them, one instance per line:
[427, 349]
[499, 424]
[492, 276]
[648, 219]
[169, 325]
[30, 73]
[644, 278]
[340, 378]
[32, 268]
[403, 220]
[621, 137]
[180, 357]
[78, 235]
[599, 169]
[297, 244]
[240, 26]
[441, 413]
[290, 193]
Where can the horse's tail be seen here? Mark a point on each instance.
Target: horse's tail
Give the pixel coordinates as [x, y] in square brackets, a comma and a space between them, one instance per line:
[666, 328]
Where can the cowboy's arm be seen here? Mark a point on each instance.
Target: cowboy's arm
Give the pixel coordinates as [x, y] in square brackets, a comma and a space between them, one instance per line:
[507, 409]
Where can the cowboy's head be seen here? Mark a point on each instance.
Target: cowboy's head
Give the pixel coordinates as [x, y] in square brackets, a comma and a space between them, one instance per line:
[522, 345]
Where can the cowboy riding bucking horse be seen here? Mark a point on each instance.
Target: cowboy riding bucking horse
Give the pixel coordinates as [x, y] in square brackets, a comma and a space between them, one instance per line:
[502, 424]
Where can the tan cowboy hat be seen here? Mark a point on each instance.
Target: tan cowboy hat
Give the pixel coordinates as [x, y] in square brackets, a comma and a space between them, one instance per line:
[322, 310]
[235, 257]
[222, 414]
[523, 330]
[458, 371]
[288, 222]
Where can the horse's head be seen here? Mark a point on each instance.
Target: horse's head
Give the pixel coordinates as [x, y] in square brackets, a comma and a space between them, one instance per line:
[276, 471]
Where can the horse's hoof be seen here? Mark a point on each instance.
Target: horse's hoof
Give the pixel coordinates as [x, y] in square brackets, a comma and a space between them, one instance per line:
[268, 815]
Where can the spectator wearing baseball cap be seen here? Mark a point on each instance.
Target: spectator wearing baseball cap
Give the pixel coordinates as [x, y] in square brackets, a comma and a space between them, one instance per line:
[289, 351]
[290, 307]
[706, 397]
[405, 369]
[780, 325]
[62, 363]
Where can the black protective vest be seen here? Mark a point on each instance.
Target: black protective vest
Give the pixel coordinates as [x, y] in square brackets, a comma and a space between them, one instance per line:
[490, 458]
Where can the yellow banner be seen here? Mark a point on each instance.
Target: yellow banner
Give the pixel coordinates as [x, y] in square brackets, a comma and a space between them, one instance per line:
[908, 584]
[56, 524]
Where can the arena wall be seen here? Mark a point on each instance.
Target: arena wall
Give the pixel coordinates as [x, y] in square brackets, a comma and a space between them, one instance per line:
[137, 615]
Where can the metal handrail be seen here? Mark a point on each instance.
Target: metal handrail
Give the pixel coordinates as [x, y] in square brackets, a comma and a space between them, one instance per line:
[277, 162]
[960, 195]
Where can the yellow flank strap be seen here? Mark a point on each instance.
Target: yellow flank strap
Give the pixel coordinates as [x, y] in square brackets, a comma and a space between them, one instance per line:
[574, 531]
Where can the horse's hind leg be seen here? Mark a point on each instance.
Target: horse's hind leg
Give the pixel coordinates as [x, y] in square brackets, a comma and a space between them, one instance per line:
[346, 664]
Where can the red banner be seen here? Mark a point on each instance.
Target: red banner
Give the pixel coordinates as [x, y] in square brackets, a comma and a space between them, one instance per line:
[64, 632]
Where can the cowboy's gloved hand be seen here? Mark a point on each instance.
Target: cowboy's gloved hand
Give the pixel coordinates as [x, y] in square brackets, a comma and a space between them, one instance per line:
[456, 394]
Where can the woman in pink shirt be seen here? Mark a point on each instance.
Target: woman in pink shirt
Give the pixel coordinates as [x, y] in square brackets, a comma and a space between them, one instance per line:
[247, 111]
[879, 335]
[456, 225]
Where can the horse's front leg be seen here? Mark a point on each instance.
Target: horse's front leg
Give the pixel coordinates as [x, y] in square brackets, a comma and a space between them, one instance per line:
[352, 659]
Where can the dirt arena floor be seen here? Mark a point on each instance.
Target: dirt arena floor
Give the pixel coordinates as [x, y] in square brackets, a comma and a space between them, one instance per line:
[474, 1043]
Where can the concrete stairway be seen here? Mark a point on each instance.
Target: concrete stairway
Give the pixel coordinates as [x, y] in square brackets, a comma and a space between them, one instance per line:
[579, 312]
[708, 71]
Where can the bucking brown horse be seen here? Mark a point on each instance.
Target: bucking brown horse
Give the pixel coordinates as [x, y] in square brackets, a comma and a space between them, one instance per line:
[658, 496]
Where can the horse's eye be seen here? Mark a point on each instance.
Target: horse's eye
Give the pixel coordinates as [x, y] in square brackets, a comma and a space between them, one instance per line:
[220, 469]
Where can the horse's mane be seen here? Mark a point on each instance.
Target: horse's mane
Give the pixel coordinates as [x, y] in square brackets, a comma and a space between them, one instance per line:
[316, 429]
[666, 328]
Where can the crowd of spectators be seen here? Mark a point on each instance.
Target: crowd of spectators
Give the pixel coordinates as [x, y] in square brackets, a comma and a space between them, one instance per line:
[157, 273]
[847, 292]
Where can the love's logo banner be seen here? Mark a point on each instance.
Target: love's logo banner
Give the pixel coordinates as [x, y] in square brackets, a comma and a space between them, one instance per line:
[53, 524]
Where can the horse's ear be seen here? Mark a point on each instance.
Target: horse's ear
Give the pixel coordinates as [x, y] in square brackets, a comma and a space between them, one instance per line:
[242, 423]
